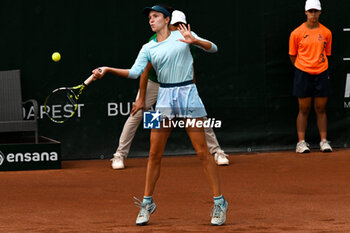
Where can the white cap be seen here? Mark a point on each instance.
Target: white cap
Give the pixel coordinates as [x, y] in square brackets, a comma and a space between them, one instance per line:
[312, 4]
[178, 17]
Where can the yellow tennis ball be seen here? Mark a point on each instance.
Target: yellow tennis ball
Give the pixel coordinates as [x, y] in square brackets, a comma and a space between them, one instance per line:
[56, 56]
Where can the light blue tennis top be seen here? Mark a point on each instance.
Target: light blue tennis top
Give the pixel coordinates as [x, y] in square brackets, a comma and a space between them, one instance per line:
[171, 59]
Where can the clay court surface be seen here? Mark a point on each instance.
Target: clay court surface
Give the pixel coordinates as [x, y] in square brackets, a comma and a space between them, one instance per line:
[267, 192]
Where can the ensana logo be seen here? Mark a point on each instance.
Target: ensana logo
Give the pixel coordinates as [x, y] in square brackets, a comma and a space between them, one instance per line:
[2, 158]
[32, 157]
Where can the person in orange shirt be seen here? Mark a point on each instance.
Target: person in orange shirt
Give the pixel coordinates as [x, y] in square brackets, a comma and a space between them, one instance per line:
[309, 46]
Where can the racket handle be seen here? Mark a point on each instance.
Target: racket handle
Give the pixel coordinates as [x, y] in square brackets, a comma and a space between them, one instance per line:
[91, 78]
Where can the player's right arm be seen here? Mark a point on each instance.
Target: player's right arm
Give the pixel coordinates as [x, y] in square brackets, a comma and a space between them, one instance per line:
[293, 46]
[135, 71]
[115, 71]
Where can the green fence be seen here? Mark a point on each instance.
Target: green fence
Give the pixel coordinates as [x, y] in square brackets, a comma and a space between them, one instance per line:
[247, 84]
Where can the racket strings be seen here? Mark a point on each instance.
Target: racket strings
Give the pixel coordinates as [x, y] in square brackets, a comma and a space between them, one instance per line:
[61, 105]
[72, 99]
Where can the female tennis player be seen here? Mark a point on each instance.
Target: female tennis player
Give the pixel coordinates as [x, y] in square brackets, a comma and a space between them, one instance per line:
[309, 46]
[170, 56]
[146, 98]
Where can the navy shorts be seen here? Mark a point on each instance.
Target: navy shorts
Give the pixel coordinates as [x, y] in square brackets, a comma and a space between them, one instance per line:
[308, 85]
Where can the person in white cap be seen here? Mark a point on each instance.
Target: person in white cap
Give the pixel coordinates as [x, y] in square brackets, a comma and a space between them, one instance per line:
[177, 17]
[145, 99]
[309, 46]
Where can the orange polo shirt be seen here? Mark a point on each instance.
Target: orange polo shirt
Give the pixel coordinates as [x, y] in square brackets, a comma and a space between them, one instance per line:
[311, 46]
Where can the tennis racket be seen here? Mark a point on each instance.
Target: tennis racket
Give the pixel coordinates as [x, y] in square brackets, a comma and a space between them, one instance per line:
[62, 103]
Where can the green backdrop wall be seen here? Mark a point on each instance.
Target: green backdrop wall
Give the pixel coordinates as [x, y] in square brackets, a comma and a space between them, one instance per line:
[247, 84]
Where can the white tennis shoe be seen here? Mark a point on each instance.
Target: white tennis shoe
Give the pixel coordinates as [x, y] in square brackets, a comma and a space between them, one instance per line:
[324, 146]
[302, 147]
[221, 158]
[117, 161]
[218, 214]
[146, 209]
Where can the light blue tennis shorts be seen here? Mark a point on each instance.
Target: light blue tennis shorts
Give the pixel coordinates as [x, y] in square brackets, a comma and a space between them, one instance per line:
[180, 101]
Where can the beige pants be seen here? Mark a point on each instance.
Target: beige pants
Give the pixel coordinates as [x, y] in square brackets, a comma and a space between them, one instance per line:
[133, 122]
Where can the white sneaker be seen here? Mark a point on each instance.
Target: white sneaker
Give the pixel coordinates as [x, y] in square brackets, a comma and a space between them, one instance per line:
[221, 158]
[219, 214]
[117, 161]
[324, 146]
[145, 211]
[302, 147]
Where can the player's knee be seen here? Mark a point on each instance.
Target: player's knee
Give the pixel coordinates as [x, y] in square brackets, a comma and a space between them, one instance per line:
[304, 110]
[202, 154]
[320, 109]
[155, 157]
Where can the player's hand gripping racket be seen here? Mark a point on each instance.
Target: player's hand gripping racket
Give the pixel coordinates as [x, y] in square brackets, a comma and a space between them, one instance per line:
[65, 98]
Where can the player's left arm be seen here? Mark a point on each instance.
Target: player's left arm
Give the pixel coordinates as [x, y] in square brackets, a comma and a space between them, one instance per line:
[194, 77]
[189, 38]
[329, 44]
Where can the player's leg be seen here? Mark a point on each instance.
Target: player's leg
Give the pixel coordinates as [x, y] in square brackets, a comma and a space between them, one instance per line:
[303, 89]
[131, 125]
[320, 109]
[128, 133]
[159, 138]
[214, 147]
[198, 140]
[304, 110]
[322, 91]
[199, 143]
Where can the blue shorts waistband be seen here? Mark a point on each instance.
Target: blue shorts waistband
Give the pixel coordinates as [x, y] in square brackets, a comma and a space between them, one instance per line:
[165, 85]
